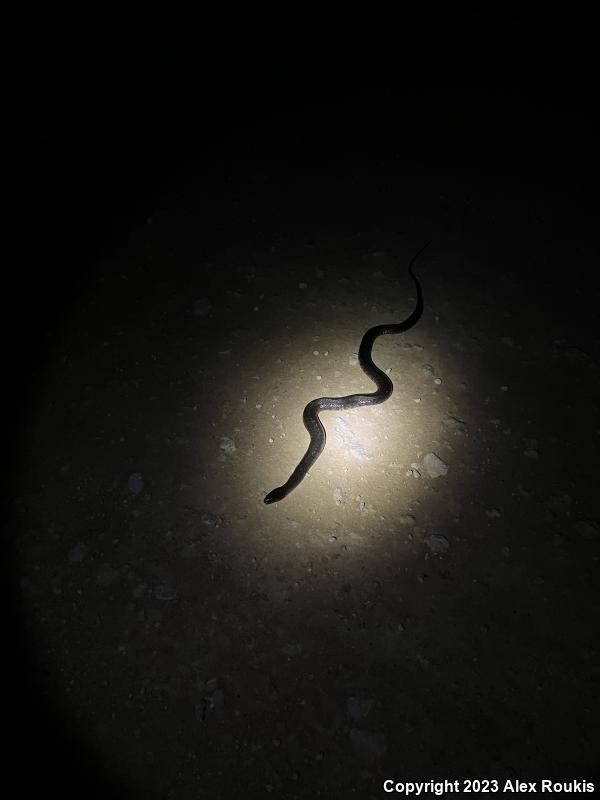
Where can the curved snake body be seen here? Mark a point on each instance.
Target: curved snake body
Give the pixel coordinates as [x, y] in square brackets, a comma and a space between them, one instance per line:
[385, 387]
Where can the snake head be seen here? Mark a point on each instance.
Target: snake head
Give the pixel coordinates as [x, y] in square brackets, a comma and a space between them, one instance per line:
[275, 495]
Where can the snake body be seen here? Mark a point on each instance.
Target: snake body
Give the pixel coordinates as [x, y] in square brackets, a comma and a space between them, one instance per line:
[385, 387]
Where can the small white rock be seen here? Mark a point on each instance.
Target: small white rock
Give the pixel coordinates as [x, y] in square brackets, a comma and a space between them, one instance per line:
[434, 466]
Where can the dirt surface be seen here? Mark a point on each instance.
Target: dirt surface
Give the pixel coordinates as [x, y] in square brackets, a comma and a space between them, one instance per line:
[384, 621]
[207, 221]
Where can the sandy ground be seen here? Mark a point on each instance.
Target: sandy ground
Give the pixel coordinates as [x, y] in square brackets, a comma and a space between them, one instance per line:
[380, 622]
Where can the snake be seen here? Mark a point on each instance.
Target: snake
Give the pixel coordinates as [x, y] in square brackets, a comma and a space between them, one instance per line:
[385, 387]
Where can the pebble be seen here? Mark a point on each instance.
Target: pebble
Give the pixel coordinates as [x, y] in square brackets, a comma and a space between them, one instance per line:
[227, 445]
[359, 707]
[454, 424]
[437, 543]
[216, 702]
[339, 495]
[434, 466]
[209, 519]
[136, 482]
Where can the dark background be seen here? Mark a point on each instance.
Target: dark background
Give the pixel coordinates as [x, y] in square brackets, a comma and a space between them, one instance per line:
[103, 112]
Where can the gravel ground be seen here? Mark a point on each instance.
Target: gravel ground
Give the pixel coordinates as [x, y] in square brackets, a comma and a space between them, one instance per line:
[424, 605]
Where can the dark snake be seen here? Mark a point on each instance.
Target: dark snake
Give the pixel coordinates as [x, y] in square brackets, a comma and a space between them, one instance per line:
[385, 387]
